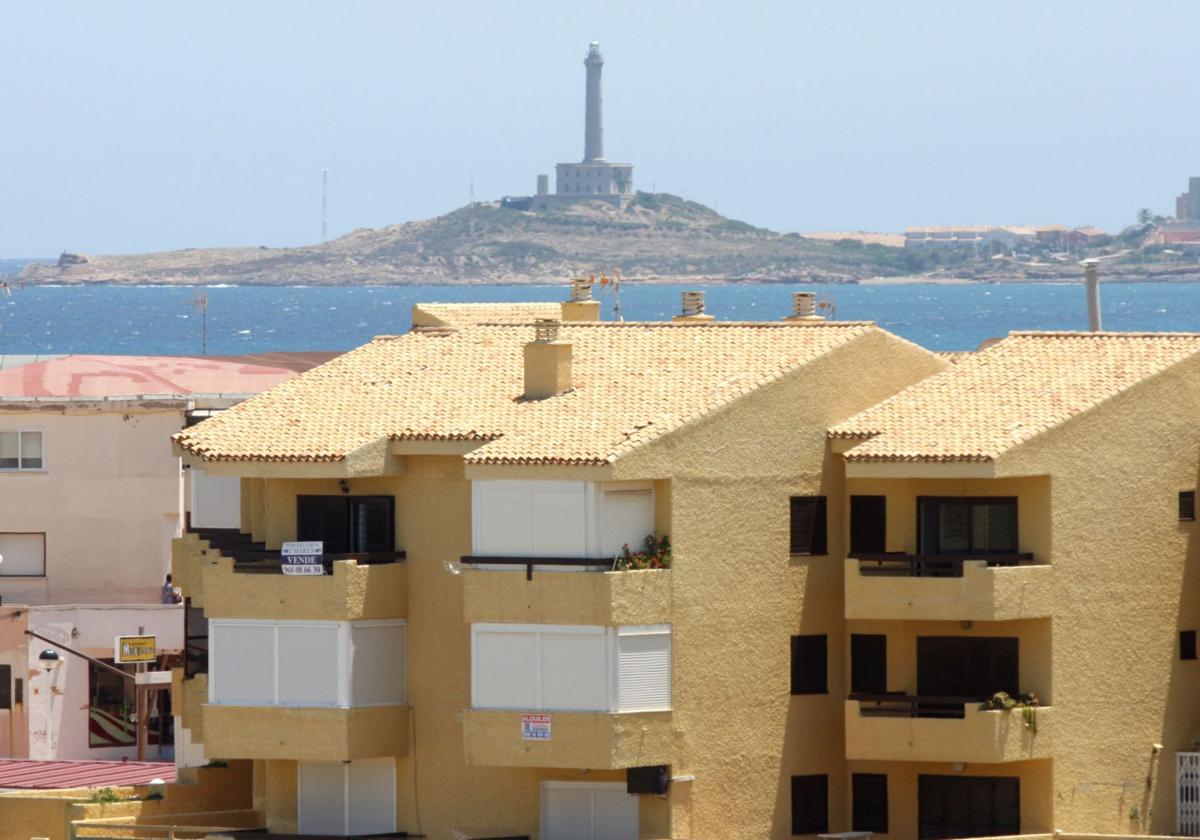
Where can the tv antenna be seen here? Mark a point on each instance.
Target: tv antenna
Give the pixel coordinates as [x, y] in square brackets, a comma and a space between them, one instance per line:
[200, 301]
[613, 283]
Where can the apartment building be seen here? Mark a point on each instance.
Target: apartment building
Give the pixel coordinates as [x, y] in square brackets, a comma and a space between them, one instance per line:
[474, 663]
[1024, 522]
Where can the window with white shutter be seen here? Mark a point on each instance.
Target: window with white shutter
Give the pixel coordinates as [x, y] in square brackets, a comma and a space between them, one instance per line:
[558, 522]
[588, 811]
[644, 668]
[628, 520]
[340, 799]
[22, 555]
[319, 664]
[571, 668]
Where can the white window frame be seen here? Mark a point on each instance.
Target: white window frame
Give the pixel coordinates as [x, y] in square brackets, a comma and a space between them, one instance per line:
[41, 534]
[37, 430]
[345, 678]
[611, 661]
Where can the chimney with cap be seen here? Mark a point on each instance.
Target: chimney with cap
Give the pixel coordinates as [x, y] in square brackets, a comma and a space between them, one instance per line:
[693, 309]
[581, 307]
[547, 362]
[804, 307]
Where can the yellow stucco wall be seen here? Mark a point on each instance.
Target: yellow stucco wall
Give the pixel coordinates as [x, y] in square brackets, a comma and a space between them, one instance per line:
[581, 739]
[980, 737]
[305, 734]
[609, 599]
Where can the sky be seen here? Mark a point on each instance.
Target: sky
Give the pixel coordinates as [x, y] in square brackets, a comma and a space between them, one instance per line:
[141, 126]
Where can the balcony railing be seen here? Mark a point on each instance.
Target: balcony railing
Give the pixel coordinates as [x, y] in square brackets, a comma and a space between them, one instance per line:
[908, 705]
[605, 564]
[899, 564]
[252, 556]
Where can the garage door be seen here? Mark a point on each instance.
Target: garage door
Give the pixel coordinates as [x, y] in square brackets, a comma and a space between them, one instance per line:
[588, 811]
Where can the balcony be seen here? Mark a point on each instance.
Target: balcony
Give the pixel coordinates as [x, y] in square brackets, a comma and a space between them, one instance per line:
[504, 594]
[939, 588]
[305, 734]
[592, 740]
[943, 729]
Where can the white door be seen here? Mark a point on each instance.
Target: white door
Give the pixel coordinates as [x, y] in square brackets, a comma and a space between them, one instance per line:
[588, 811]
[216, 500]
[346, 799]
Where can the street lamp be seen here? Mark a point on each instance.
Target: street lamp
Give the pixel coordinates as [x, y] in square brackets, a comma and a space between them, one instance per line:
[50, 659]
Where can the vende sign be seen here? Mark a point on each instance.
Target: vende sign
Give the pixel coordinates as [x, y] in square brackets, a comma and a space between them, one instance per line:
[535, 727]
[303, 558]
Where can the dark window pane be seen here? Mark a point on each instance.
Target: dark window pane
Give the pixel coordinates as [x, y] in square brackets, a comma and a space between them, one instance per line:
[967, 806]
[870, 802]
[967, 526]
[868, 524]
[5, 686]
[325, 519]
[809, 528]
[374, 524]
[810, 804]
[868, 664]
[1187, 506]
[961, 666]
[1187, 644]
[809, 665]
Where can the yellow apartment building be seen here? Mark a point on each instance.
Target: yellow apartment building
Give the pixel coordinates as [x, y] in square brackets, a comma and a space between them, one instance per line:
[472, 666]
[1024, 522]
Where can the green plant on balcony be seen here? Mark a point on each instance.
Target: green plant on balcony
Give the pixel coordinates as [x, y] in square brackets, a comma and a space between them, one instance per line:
[104, 796]
[1002, 701]
[654, 554]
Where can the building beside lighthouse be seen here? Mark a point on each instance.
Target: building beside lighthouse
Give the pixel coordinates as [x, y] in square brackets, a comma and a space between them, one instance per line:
[593, 178]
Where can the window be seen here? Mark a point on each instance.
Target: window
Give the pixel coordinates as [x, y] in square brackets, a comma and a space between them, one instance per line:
[1187, 505]
[588, 811]
[809, 665]
[111, 710]
[968, 806]
[963, 666]
[870, 802]
[868, 524]
[348, 524]
[810, 804]
[808, 525]
[347, 799]
[6, 699]
[21, 449]
[571, 668]
[868, 664]
[306, 663]
[22, 555]
[195, 640]
[967, 526]
[1187, 644]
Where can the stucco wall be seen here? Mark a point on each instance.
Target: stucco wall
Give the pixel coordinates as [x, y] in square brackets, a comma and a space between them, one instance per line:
[109, 502]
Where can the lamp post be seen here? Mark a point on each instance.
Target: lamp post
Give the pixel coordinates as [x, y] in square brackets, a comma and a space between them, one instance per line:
[50, 660]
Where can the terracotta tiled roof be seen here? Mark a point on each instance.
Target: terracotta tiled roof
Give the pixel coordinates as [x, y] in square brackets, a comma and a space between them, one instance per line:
[466, 314]
[953, 356]
[633, 383]
[996, 399]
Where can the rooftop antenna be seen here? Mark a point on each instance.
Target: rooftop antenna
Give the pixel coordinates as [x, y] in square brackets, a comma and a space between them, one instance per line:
[324, 202]
[200, 301]
[613, 282]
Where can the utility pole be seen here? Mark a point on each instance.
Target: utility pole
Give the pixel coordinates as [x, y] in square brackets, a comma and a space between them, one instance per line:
[201, 304]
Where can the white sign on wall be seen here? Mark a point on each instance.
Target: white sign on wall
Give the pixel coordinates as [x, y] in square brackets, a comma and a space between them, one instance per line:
[535, 727]
[303, 558]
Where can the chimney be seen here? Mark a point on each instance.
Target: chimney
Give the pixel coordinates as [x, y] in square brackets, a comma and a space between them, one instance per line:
[543, 184]
[1091, 275]
[581, 307]
[547, 362]
[804, 307]
[693, 309]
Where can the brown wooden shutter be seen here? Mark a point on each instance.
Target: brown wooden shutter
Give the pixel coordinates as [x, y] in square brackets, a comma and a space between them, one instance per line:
[868, 664]
[868, 524]
[810, 665]
[810, 804]
[870, 802]
[809, 528]
[1187, 506]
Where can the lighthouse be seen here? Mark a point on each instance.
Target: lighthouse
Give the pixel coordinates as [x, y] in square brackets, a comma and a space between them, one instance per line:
[593, 129]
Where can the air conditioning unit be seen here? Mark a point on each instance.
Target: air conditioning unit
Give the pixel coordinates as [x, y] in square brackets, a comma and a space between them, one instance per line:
[653, 780]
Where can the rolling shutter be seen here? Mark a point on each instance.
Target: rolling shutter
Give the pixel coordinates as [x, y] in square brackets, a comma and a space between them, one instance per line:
[507, 670]
[242, 665]
[614, 814]
[566, 813]
[644, 668]
[628, 520]
[24, 555]
[371, 803]
[322, 806]
[502, 519]
[574, 673]
[378, 664]
[530, 518]
[558, 522]
[308, 664]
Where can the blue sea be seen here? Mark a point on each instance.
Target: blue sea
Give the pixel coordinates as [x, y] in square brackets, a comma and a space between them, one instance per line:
[165, 320]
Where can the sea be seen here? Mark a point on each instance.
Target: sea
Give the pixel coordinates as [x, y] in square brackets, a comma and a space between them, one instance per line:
[154, 320]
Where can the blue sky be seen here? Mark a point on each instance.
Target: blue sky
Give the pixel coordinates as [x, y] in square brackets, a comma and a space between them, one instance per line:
[133, 126]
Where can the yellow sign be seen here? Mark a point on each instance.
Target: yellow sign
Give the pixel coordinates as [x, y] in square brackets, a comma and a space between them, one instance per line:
[128, 649]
